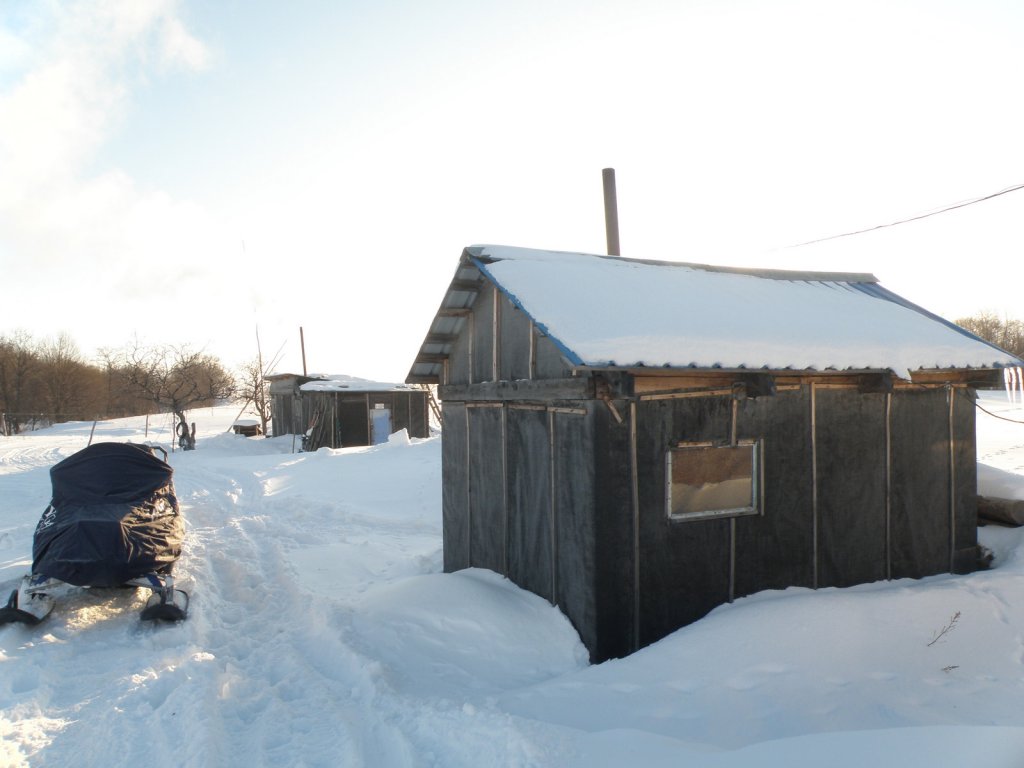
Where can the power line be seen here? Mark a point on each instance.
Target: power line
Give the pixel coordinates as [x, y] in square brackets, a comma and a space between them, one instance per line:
[952, 207]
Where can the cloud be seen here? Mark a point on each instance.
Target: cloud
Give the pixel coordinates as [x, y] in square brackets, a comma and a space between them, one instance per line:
[93, 238]
[60, 103]
[64, 101]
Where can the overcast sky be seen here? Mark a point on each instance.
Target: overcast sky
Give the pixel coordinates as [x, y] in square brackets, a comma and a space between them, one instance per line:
[189, 170]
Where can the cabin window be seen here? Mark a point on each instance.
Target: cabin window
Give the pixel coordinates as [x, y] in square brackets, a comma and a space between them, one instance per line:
[707, 481]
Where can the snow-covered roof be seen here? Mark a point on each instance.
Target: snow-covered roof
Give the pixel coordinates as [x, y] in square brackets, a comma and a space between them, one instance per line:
[604, 311]
[345, 383]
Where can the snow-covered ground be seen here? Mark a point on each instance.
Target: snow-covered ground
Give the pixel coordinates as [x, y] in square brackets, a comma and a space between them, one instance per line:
[323, 633]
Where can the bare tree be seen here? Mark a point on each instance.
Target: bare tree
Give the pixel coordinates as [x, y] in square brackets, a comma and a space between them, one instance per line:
[1005, 332]
[253, 386]
[71, 386]
[176, 378]
[19, 371]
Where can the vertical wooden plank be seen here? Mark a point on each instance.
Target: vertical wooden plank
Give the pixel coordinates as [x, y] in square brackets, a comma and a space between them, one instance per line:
[575, 523]
[775, 549]
[888, 485]
[496, 301]
[549, 363]
[454, 487]
[921, 502]
[486, 488]
[553, 507]
[458, 366]
[401, 413]
[529, 499]
[966, 484]
[635, 478]
[613, 500]
[515, 342]
[685, 565]
[532, 374]
[504, 489]
[816, 518]
[851, 487]
[483, 337]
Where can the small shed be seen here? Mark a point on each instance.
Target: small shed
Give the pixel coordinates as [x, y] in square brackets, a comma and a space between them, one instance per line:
[641, 441]
[340, 411]
[287, 417]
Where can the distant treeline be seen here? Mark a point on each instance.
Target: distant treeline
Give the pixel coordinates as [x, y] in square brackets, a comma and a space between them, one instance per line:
[1004, 332]
[49, 381]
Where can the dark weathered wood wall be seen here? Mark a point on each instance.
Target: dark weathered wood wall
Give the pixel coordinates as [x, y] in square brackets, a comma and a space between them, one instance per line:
[857, 488]
[566, 496]
[345, 416]
[499, 335]
[518, 499]
[850, 455]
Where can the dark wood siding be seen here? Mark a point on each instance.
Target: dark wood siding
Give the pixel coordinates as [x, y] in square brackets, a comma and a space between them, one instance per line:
[614, 542]
[400, 412]
[530, 549]
[851, 465]
[352, 423]
[775, 549]
[684, 566]
[549, 362]
[920, 518]
[486, 488]
[458, 362]
[965, 491]
[483, 336]
[516, 329]
[455, 488]
[419, 418]
[575, 564]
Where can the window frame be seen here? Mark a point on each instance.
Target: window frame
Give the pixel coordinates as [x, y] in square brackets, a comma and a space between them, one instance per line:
[756, 506]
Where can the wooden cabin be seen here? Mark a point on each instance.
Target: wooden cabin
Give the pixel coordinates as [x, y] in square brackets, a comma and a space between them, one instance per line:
[346, 411]
[642, 441]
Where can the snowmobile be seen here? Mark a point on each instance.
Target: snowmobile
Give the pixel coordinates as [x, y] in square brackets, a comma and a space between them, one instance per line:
[113, 520]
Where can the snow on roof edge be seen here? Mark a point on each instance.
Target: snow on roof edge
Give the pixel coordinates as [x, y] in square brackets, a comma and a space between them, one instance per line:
[490, 253]
[858, 345]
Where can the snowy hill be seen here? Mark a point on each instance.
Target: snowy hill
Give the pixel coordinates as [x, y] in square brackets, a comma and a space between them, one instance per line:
[323, 633]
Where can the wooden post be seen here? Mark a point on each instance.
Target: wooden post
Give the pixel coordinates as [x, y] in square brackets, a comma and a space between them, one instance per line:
[611, 212]
[302, 343]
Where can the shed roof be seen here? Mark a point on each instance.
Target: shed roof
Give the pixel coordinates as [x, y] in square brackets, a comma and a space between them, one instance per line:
[607, 311]
[346, 383]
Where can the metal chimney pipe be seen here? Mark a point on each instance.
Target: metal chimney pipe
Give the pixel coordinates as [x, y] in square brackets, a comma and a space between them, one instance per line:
[611, 212]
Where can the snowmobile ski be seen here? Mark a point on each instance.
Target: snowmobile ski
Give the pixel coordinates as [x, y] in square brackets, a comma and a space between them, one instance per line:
[166, 603]
[33, 601]
[30, 603]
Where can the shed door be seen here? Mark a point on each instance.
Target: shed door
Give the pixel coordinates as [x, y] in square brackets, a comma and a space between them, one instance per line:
[380, 424]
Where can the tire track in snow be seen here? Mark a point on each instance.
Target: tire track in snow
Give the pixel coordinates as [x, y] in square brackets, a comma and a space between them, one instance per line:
[282, 670]
[292, 661]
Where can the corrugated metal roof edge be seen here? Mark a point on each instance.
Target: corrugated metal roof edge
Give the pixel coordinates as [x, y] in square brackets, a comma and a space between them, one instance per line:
[864, 282]
[881, 292]
[476, 252]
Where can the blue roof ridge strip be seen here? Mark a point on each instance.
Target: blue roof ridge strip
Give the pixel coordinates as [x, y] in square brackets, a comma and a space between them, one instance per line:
[477, 253]
[482, 266]
[885, 294]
